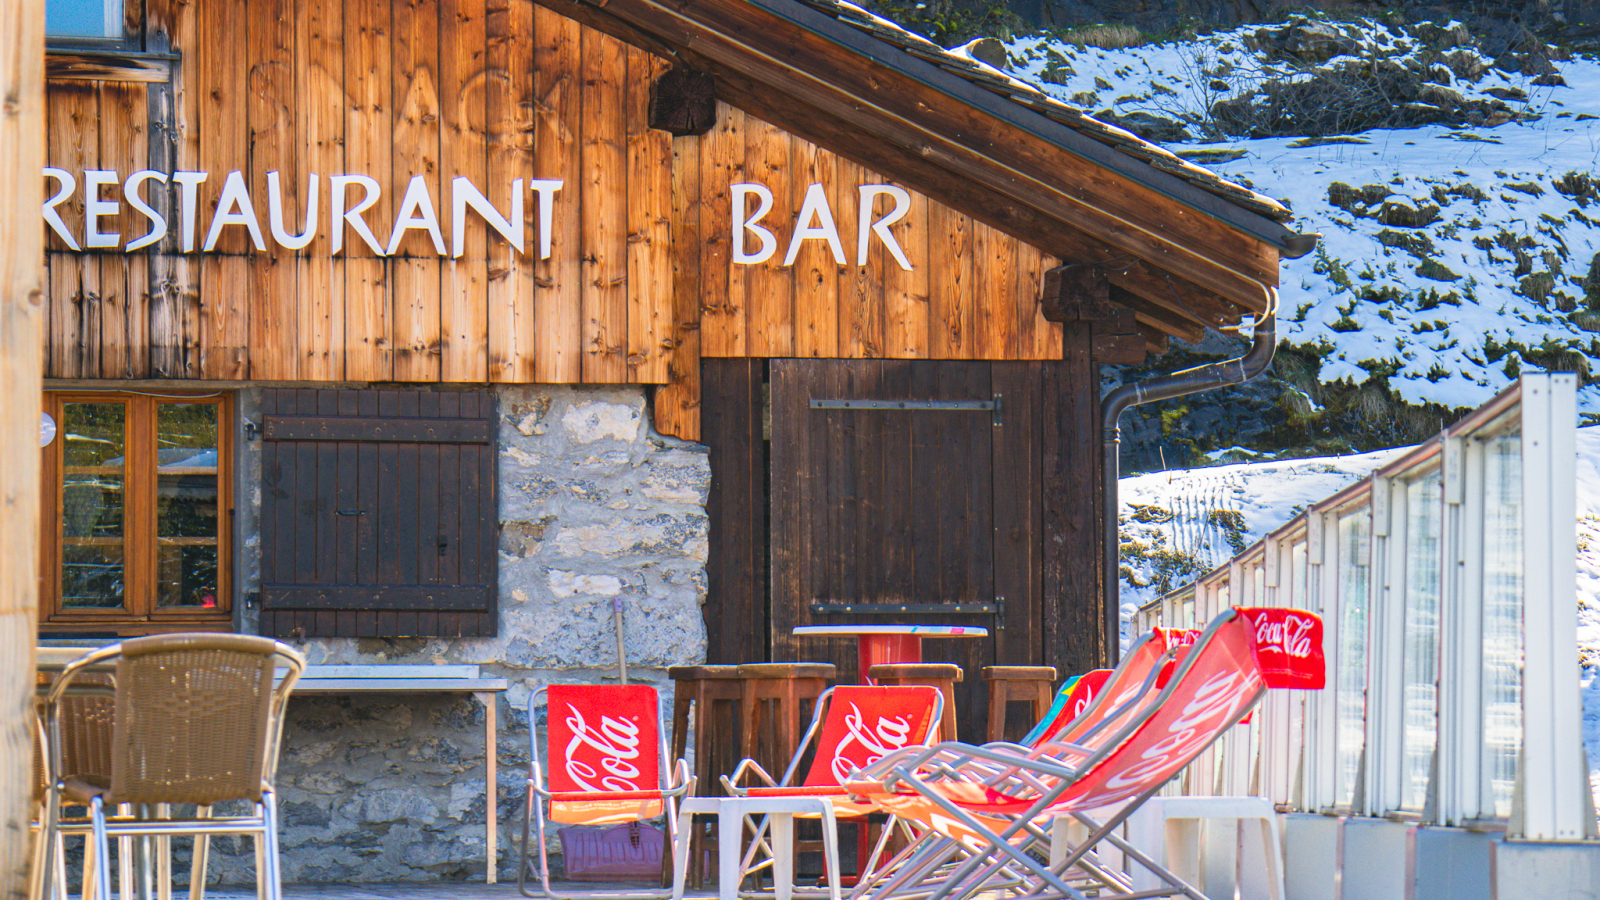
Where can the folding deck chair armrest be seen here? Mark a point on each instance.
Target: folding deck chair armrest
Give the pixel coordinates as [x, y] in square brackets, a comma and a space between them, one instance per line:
[730, 783]
[682, 775]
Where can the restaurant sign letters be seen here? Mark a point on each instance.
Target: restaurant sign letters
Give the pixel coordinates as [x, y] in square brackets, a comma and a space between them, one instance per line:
[350, 197]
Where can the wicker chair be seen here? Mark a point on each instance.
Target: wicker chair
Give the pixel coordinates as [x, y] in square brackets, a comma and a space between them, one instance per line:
[86, 709]
[196, 720]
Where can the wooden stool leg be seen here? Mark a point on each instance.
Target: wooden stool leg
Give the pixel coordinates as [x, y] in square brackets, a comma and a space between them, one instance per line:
[1043, 694]
[998, 697]
[752, 721]
[948, 724]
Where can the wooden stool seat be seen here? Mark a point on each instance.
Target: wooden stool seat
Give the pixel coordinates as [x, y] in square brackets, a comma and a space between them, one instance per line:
[1034, 685]
[944, 676]
[1019, 673]
[715, 693]
[786, 670]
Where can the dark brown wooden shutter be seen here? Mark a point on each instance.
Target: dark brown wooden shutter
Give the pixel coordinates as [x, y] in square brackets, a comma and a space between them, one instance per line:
[378, 514]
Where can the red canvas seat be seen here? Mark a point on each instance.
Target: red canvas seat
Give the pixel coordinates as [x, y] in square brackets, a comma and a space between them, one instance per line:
[607, 766]
[851, 727]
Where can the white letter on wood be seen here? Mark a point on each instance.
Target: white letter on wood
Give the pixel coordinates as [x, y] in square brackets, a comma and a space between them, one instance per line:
[188, 200]
[814, 206]
[463, 193]
[341, 218]
[769, 242]
[902, 205]
[94, 208]
[158, 222]
[66, 184]
[275, 214]
[416, 211]
[235, 208]
[545, 189]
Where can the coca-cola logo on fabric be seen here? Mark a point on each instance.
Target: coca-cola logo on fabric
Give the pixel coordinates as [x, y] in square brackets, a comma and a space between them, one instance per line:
[1156, 756]
[1289, 645]
[865, 744]
[604, 758]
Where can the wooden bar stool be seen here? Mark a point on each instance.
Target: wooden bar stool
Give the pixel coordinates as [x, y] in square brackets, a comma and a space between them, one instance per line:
[944, 676]
[715, 692]
[1034, 685]
[774, 691]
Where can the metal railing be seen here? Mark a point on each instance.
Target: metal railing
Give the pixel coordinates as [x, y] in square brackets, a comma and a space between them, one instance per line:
[1447, 586]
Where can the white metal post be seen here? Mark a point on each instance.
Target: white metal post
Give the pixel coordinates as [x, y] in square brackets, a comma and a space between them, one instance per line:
[1553, 772]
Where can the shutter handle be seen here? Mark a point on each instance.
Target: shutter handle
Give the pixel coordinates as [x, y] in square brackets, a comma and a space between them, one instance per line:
[444, 545]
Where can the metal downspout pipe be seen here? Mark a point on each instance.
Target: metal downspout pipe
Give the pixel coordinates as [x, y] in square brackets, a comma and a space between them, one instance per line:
[1164, 387]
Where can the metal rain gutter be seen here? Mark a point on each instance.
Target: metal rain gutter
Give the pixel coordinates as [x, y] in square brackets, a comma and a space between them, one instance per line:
[1164, 387]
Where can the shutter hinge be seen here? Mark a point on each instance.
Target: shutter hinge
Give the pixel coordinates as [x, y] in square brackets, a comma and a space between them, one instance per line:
[252, 599]
[252, 431]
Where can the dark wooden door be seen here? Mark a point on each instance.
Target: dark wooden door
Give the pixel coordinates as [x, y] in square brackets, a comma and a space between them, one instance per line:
[908, 482]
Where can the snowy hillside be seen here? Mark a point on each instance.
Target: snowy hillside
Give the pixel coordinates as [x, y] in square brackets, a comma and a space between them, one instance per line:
[1180, 524]
[1455, 254]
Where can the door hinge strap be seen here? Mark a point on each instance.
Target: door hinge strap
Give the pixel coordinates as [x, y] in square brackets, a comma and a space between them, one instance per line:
[934, 609]
[909, 405]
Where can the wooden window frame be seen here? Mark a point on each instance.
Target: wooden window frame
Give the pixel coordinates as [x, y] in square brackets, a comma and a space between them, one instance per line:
[139, 615]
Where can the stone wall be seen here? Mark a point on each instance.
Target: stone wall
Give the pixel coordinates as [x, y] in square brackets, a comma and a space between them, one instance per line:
[593, 505]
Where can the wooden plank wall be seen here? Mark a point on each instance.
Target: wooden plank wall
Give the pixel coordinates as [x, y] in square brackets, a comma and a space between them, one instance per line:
[972, 292]
[490, 89]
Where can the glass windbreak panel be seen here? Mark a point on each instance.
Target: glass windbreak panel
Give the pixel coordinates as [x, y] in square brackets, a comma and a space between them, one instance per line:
[83, 19]
[1420, 660]
[1186, 614]
[1502, 619]
[1302, 594]
[187, 504]
[93, 453]
[1354, 580]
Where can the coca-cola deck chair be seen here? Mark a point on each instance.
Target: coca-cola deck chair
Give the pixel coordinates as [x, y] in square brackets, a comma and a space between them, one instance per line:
[1083, 716]
[608, 766]
[851, 727]
[1215, 685]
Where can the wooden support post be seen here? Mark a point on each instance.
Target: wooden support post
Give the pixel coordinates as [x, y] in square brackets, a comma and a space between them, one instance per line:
[21, 366]
[1074, 627]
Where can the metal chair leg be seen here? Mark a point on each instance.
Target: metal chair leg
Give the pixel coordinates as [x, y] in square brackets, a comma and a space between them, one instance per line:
[164, 856]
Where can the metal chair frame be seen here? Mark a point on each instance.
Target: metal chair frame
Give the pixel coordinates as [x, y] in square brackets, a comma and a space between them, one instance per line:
[674, 785]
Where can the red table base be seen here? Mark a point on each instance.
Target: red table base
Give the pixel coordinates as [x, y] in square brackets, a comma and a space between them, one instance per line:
[877, 649]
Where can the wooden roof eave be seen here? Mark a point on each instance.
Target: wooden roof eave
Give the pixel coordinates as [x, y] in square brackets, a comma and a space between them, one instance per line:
[1152, 245]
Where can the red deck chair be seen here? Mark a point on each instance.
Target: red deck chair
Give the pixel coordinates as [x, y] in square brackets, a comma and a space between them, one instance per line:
[852, 727]
[1082, 715]
[1218, 681]
[608, 765]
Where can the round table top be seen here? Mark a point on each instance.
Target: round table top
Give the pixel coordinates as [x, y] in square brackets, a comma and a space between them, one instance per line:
[927, 631]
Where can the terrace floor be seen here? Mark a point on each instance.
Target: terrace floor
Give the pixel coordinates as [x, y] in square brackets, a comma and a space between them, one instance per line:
[453, 890]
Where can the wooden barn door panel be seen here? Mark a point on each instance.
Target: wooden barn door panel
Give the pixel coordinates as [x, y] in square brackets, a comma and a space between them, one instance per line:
[905, 506]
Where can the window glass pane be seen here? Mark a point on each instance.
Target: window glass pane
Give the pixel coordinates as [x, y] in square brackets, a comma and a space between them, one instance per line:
[94, 19]
[1419, 664]
[93, 450]
[1502, 619]
[187, 501]
[1355, 577]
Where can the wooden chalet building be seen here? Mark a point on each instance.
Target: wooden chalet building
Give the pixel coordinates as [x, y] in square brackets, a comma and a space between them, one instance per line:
[309, 261]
